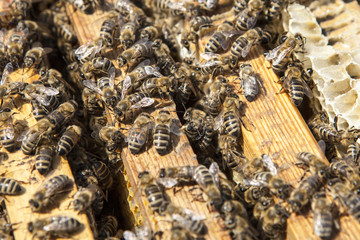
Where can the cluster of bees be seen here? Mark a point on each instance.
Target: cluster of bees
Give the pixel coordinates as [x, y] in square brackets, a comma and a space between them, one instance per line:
[161, 71]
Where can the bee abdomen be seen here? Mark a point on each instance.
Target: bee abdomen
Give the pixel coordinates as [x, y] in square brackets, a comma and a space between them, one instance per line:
[136, 143]
[232, 125]
[296, 91]
[155, 197]
[9, 186]
[323, 225]
[161, 138]
[43, 159]
[7, 142]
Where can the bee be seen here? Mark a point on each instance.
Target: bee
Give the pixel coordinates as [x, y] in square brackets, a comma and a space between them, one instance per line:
[127, 33]
[316, 165]
[181, 174]
[243, 44]
[179, 233]
[85, 6]
[84, 198]
[107, 31]
[30, 141]
[35, 56]
[10, 18]
[173, 8]
[204, 178]
[150, 33]
[68, 140]
[44, 95]
[229, 119]
[103, 174]
[142, 232]
[288, 44]
[233, 208]
[74, 73]
[163, 57]
[54, 226]
[274, 10]
[343, 170]
[98, 65]
[134, 78]
[250, 82]
[349, 199]
[195, 119]
[16, 45]
[105, 88]
[184, 218]
[128, 8]
[220, 38]
[294, 84]
[9, 186]
[324, 220]
[321, 128]
[239, 6]
[230, 155]
[36, 30]
[43, 196]
[160, 85]
[352, 152]
[239, 227]
[248, 17]
[164, 126]
[209, 5]
[273, 222]
[44, 157]
[140, 50]
[139, 132]
[153, 191]
[261, 206]
[301, 195]
[63, 113]
[66, 33]
[108, 227]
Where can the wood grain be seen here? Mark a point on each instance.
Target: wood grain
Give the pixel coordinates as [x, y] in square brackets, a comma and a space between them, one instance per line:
[87, 29]
[19, 167]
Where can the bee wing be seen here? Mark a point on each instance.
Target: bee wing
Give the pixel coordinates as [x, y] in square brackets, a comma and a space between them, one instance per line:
[248, 125]
[251, 22]
[194, 216]
[57, 225]
[273, 53]
[209, 55]
[269, 164]
[175, 128]
[247, 49]
[7, 70]
[225, 44]
[167, 182]
[145, 102]
[281, 56]
[218, 121]
[150, 70]
[88, 49]
[126, 85]
[92, 86]
[10, 132]
[322, 145]
[176, 6]
[112, 77]
[214, 169]
[307, 90]
[47, 90]
[128, 235]
[143, 232]
[3, 33]
[40, 99]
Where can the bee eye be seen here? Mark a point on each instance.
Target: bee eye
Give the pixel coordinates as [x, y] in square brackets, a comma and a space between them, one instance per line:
[309, 71]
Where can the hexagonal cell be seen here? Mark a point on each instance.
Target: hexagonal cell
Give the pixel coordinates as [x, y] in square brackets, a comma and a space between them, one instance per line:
[331, 91]
[300, 13]
[333, 73]
[339, 58]
[345, 102]
[306, 28]
[353, 70]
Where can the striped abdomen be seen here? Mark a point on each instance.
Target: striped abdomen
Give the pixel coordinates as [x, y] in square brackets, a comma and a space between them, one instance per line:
[296, 91]
[203, 176]
[161, 138]
[323, 224]
[231, 124]
[214, 43]
[109, 227]
[68, 140]
[103, 174]
[238, 46]
[38, 111]
[7, 139]
[56, 184]
[44, 156]
[9, 186]
[137, 141]
[155, 196]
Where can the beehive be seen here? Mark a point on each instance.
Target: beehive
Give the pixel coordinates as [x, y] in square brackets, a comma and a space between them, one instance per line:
[278, 130]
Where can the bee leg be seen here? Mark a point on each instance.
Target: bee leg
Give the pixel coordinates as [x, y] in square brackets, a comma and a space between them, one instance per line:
[198, 197]
[281, 90]
[302, 177]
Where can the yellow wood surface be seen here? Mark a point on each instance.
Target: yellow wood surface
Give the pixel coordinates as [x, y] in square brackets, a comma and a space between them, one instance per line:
[19, 167]
[87, 28]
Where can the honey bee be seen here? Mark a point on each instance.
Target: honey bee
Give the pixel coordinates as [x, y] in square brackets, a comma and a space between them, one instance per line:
[250, 82]
[195, 118]
[288, 44]
[230, 155]
[321, 128]
[234, 208]
[128, 108]
[239, 227]
[44, 196]
[229, 119]
[181, 174]
[54, 226]
[44, 95]
[262, 205]
[273, 222]
[138, 51]
[170, 7]
[349, 199]
[134, 78]
[160, 85]
[153, 191]
[274, 10]
[108, 228]
[10, 18]
[105, 88]
[343, 170]
[142, 232]
[103, 174]
[208, 5]
[248, 17]
[68, 140]
[239, 6]
[84, 198]
[63, 113]
[35, 56]
[127, 33]
[150, 33]
[44, 157]
[243, 44]
[352, 152]
[36, 30]
[164, 126]
[16, 45]
[139, 132]
[66, 33]
[98, 65]
[301, 195]
[184, 218]
[220, 38]
[314, 163]
[30, 141]
[21, 6]
[295, 84]
[10, 186]
[324, 219]
[128, 8]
